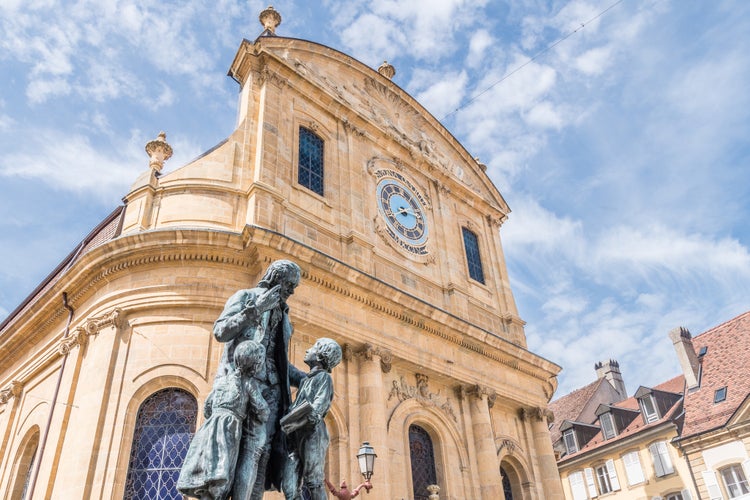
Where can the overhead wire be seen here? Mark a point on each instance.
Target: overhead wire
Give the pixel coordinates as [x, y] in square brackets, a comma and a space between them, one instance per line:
[533, 58]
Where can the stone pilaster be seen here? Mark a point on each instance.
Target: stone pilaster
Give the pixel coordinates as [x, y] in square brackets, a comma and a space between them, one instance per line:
[373, 362]
[549, 477]
[488, 467]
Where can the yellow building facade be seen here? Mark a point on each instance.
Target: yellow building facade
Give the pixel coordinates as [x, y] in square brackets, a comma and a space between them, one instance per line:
[327, 158]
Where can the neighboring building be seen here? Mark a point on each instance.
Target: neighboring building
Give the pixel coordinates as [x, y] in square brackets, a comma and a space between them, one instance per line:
[395, 226]
[688, 438]
[621, 448]
[716, 434]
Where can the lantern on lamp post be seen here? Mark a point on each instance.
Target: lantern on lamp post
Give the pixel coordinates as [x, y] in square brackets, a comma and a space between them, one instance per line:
[366, 458]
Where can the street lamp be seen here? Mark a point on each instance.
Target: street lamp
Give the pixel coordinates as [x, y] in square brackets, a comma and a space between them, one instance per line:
[366, 458]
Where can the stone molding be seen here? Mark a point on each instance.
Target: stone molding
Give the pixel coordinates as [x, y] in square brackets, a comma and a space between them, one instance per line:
[420, 392]
[537, 413]
[80, 335]
[419, 323]
[368, 353]
[14, 390]
[479, 392]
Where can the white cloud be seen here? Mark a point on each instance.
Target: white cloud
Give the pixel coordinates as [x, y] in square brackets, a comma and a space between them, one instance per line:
[480, 41]
[444, 92]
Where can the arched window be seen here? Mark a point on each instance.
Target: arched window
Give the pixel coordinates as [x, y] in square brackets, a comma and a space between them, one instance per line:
[422, 462]
[24, 466]
[163, 429]
[507, 487]
[310, 169]
[473, 259]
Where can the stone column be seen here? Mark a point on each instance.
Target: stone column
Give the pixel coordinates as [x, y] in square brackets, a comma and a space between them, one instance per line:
[545, 455]
[488, 467]
[373, 362]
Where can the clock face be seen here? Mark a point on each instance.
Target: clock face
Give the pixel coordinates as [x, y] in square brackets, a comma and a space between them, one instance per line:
[401, 207]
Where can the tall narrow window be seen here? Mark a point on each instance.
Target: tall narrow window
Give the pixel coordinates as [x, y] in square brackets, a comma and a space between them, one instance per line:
[660, 457]
[24, 467]
[608, 425]
[571, 444]
[507, 487]
[422, 462]
[633, 470]
[473, 259]
[163, 429]
[648, 407]
[310, 169]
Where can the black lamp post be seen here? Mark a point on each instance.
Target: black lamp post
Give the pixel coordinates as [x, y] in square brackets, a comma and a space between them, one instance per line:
[366, 458]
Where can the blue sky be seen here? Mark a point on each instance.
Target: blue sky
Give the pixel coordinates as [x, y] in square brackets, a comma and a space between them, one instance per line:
[622, 151]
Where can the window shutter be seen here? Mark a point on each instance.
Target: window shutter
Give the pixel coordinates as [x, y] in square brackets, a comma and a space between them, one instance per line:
[612, 475]
[633, 470]
[577, 487]
[746, 468]
[714, 492]
[590, 481]
[656, 459]
[686, 495]
[666, 460]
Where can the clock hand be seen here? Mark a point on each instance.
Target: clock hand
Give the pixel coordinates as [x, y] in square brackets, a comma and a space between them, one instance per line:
[404, 210]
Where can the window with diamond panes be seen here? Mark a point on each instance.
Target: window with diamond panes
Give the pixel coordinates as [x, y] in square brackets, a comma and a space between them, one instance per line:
[163, 429]
[310, 170]
[473, 260]
[422, 462]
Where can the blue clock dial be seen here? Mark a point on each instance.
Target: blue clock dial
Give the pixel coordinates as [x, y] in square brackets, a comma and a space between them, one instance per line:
[403, 213]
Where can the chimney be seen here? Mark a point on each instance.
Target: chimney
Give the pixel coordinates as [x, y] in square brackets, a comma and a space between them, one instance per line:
[683, 345]
[610, 370]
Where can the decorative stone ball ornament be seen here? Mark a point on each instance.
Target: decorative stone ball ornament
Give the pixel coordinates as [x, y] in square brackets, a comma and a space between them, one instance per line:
[270, 19]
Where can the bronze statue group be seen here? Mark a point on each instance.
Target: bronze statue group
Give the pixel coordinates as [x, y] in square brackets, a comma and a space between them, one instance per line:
[254, 437]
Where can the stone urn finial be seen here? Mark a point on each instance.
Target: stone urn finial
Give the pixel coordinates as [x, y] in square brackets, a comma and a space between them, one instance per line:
[158, 152]
[481, 165]
[270, 19]
[434, 489]
[387, 70]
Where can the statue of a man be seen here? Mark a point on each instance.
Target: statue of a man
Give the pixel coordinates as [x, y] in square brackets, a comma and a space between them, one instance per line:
[261, 314]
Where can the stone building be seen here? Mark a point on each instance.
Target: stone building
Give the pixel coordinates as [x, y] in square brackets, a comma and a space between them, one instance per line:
[396, 228]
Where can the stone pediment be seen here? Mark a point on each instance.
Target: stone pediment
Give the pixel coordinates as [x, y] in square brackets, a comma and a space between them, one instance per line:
[368, 100]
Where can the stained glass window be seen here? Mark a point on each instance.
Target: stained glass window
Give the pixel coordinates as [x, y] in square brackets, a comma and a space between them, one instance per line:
[163, 429]
[422, 462]
[471, 244]
[310, 171]
[507, 488]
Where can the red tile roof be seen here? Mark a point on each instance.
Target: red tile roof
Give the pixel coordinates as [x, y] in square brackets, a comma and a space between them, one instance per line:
[570, 406]
[725, 364]
[637, 425]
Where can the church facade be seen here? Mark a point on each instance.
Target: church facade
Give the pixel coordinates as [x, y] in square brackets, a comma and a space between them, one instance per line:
[103, 370]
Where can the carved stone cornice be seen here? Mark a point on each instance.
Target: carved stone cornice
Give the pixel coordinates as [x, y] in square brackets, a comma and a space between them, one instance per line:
[368, 352]
[509, 445]
[347, 353]
[14, 390]
[496, 221]
[479, 391]
[537, 413]
[266, 75]
[79, 336]
[351, 128]
[402, 391]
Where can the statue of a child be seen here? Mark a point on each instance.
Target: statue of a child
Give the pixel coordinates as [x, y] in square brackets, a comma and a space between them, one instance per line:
[208, 470]
[308, 443]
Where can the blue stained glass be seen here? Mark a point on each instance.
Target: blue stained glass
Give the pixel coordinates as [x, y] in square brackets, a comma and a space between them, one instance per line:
[474, 261]
[310, 169]
[163, 430]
